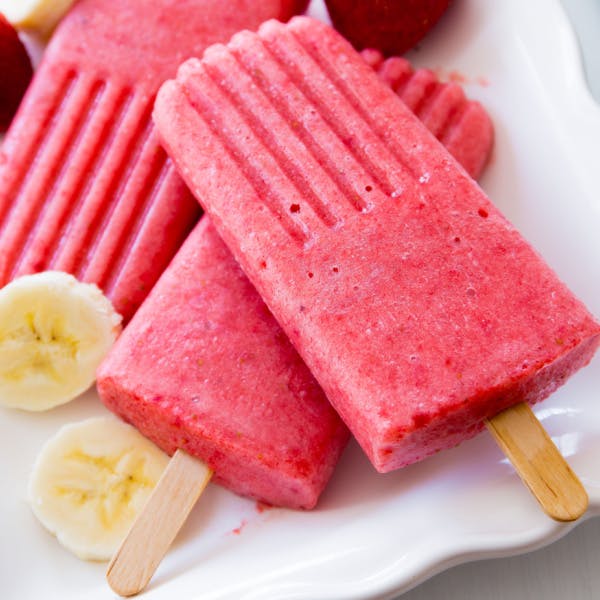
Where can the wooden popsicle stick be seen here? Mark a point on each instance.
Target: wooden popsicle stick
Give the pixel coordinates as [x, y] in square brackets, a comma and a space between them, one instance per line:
[538, 462]
[155, 528]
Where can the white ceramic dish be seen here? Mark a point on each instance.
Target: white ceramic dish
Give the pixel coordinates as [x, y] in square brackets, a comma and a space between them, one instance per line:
[375, 536]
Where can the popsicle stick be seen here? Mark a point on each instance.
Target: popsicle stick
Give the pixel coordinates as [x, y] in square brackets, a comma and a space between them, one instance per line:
[538, 462]
[155, 528]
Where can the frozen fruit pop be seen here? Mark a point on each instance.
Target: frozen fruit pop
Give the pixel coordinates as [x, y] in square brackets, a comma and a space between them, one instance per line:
[419, 309]
[204, 370]
[84, 185]
[204, 367]
[203, 312]
[203, 285]
[462, 125]
[245, 361]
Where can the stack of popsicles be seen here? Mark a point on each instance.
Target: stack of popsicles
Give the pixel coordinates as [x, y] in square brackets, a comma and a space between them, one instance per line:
[419, 309]
[370, 284]
[85, 188]
[204, 367]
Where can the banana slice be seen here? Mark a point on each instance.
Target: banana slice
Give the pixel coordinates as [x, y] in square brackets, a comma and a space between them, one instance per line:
[90, 481]
[54, 332]
[39, 15]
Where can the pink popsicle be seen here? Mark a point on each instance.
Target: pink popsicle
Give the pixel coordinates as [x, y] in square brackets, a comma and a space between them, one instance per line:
[84, 185]
[188, 385]
[204, 367]
[419, 309]
[462, 125]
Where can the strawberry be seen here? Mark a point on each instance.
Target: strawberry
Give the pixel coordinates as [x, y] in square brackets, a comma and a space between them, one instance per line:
[392, 26]
[293, 7]
[15, 72]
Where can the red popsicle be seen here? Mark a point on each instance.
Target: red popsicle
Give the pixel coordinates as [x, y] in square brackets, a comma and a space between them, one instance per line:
[417, 306]
[248, 407]
[204, 367]
[84, 185]
[462, 125]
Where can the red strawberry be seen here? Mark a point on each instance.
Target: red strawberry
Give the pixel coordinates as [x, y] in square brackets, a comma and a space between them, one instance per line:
[293, 7]
[392, 26]
[15, 72]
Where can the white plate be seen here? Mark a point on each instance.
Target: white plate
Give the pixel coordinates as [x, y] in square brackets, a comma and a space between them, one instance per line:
[374, 536]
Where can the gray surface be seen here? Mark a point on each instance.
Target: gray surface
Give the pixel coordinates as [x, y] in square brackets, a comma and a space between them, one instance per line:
[570, 568]
[585, 17]
[566, 570]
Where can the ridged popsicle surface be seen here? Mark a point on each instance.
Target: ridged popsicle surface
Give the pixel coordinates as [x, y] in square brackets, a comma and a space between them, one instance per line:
[84, 185]
[417, 306]
[462, 125]
[205, 367]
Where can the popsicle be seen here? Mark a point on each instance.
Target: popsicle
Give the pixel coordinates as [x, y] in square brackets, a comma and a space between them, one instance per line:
[418, 307]
[462, 125]
[84, 185]
[143, 366]
[204, 370]
[204, 367]
[147, 380]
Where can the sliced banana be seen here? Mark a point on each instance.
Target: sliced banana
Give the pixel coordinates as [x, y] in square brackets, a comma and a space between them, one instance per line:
[90, 481]
[39, 15]
[54, 332]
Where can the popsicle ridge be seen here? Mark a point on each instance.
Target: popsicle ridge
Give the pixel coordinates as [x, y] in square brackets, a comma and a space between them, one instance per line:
[114, 104]
[266, 166]
[235, 78]
[300, 69]
[418, 90]
[469, 131]
[445, 109]
[258, 164]
[28, 153]
[462, 125]
[140, 204]
[133, 138]
[119, 161]
[396, 146]
[92, 157]
[396, 72]
[392, 70]
[349, 93]
[314, 154]
[65, 181]
[304, 95]
[17, 182]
